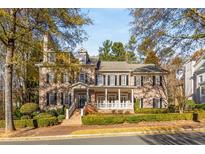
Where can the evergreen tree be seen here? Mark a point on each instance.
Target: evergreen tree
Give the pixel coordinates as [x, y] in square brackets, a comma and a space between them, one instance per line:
[105, 51]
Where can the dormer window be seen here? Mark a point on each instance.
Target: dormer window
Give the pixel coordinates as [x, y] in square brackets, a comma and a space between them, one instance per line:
[51, 57]
[82, 77]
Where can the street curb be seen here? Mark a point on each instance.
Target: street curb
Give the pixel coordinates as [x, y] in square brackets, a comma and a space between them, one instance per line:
[62, 137]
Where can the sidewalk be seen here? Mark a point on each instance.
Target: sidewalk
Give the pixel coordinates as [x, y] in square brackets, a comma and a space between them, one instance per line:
[89, 131]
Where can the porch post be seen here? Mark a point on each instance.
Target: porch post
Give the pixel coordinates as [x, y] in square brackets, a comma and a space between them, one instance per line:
[72, 96]
[88, 98]
[106, 97]
[119, 101]
[132, 98]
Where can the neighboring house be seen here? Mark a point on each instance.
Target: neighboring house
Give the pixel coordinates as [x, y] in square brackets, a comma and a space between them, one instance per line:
[108, 85]
[194, 78]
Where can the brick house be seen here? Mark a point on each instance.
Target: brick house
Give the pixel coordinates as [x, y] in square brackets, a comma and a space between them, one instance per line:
[108, 85]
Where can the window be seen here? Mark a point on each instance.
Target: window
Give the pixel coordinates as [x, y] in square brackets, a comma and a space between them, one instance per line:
[112, 80]
[100, 99]
[50, 78]
[65, 78]
[1, 86]
[158, 80]
[203, 90]
[82, 77]
[200, 79]
[157, 102]
[112, 98]
[123, 80]
[100, 79]
[51, 57]
[141, 103]
[137, 80]
[52, 98]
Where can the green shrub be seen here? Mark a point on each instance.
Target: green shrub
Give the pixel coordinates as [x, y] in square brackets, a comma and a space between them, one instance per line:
[45, 122]
[25, 117]
[136, 105]
[200, 106]
[17, 114]
[150, 111]
[118, 119]
[43, 115]
[53, 112]
[171, 108]
[61, 118]
[35, 114]
[190, 104]
[60, 111]
[19, 123]
[29, 108]
[102, 120]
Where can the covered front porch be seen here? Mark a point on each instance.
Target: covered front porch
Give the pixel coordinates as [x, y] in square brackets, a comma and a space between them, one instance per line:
[114, 99]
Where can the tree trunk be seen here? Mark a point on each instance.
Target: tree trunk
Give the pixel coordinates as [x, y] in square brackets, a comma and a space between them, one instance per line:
[9, 125]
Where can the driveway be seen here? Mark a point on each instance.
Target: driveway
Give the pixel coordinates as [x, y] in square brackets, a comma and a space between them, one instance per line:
[194, 138]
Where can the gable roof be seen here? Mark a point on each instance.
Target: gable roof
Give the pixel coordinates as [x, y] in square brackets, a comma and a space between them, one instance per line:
[124, 66]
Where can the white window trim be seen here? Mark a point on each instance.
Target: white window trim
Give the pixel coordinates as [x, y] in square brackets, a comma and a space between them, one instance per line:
[201, 91]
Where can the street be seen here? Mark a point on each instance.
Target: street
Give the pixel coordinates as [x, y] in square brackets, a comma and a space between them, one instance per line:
[194, 138]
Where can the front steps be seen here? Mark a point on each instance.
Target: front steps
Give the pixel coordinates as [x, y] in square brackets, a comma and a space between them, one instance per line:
[75, 119]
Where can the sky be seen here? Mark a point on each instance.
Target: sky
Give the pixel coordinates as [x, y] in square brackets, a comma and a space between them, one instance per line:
[112, 24]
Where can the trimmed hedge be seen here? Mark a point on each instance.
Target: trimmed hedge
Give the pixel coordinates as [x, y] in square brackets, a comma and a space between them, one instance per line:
[43, 122]
[119, 119]
[150, 111]
[200, 106]
[43, 116]
[29, 108]
[61, 118]
[19, 123]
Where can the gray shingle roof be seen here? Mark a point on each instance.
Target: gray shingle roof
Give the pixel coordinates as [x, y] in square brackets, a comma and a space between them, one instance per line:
[124, 66]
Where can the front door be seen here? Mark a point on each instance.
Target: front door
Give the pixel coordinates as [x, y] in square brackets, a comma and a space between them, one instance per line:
[81, 101]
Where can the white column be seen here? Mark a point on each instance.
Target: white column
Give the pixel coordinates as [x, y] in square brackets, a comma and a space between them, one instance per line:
[119, 101]
[132, 98]
[106, 97]
[88, 98]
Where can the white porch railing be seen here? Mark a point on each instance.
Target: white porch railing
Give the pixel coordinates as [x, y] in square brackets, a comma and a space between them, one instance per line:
[115, 105]
[70, 111]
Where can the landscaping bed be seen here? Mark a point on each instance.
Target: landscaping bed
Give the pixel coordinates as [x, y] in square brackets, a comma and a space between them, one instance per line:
[97, 119]
[43, 122]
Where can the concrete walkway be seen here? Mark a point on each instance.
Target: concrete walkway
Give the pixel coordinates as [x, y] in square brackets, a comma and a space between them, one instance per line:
[75, 119]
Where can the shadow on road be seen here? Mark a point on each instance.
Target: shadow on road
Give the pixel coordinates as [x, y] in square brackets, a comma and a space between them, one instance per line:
[175, 139]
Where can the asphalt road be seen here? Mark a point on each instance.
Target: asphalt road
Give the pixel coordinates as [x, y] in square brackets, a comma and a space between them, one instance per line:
[159, 139]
